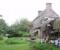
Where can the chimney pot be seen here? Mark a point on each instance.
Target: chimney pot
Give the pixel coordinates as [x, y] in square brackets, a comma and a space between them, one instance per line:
[48, 5]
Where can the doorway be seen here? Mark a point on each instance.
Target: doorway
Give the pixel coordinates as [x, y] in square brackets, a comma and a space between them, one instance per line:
[36, 34]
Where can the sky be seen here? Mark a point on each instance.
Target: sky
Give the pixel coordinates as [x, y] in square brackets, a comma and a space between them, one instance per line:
[13, 10]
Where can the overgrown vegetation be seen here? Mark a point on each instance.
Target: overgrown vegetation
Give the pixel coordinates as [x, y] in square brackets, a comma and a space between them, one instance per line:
[23, 44]
[16, 41]
[14, 44]
[18, 30]
[42, 46]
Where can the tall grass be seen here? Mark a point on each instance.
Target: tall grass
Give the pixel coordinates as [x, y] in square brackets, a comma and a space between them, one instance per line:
[16, 41]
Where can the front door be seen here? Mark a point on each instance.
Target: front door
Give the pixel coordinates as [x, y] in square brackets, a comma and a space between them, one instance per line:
[36, 34]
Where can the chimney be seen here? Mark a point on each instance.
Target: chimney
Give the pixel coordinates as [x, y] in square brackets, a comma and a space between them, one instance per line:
[48, 5]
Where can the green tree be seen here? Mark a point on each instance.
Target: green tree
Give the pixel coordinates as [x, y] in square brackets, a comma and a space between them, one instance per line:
[21, 27]
[3, 27]
[57, 24]
[24, 25]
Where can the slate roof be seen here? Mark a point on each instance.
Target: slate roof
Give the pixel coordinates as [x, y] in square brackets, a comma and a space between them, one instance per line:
[48, 13]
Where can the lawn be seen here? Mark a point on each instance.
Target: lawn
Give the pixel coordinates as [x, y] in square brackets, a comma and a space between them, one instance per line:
[23, 45]
[15, 47]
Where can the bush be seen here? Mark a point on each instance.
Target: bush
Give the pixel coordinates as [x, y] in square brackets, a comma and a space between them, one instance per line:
[23, 34]
[14, 35]
[15, 41]
[1, 37]
[42, 46]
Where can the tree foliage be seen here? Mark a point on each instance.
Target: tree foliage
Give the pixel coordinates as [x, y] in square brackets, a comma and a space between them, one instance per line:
[24, 25]
[3, 27]
[21, 27]
[57, 24]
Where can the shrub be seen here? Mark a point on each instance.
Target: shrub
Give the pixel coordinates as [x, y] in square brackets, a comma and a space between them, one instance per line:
[1, 37]
[23, 34]
[19, 34]
[15, 41]
[14, 35]
[42, 46]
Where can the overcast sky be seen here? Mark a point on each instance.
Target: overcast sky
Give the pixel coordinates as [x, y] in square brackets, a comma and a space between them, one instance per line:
[13, 10]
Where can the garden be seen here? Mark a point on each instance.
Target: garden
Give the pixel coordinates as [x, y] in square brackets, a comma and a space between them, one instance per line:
[21, 43]
[14, 44]
[17, 37]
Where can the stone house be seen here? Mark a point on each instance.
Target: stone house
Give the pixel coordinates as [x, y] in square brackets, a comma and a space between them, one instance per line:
[42, 25]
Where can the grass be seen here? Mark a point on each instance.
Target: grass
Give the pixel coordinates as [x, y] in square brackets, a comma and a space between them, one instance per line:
[16, 41]
[15, 47]
[24, 45]
[44, 46]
